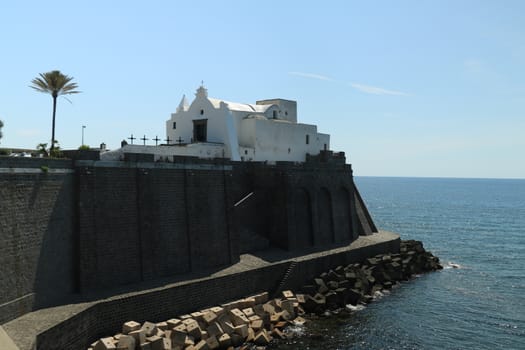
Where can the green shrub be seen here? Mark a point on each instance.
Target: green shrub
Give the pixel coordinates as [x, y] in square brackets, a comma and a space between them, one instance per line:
[41, 148]
[56, 153]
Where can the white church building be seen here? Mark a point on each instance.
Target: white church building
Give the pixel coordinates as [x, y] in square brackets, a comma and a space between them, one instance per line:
[213, 128]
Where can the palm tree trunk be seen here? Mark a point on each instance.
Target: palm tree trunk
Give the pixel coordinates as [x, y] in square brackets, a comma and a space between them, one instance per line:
[53, 127]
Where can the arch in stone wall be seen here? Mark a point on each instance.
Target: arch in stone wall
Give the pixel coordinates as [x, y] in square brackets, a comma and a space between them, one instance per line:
[325, 217]
[343, 216]
[302, 219]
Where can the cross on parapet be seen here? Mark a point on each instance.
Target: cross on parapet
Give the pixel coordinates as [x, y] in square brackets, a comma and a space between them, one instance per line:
[144, 139]
[156, 139]
[132, 138]
[168, 140]
[180, 140]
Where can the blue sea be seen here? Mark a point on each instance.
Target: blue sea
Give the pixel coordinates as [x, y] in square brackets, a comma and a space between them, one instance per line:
[476, 223]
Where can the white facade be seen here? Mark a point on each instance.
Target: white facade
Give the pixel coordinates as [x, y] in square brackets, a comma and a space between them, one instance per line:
[213, 128]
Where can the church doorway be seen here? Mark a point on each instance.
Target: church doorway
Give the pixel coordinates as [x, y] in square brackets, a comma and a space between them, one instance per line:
[200, 130]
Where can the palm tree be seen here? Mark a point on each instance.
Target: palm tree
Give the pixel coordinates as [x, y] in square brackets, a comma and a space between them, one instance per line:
[56, 84]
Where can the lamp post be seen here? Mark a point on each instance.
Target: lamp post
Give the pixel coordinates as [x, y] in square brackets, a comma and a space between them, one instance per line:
[83, 127]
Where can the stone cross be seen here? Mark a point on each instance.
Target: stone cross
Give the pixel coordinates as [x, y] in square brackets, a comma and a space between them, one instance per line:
[180, 140]
[168, 140]
[132, 138]
[144, 139]
[156, 139]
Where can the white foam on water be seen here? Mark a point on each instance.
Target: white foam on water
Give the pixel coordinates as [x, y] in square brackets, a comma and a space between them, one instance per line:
[452, 265]
[378, 294]
[357, 307]
[295, 330]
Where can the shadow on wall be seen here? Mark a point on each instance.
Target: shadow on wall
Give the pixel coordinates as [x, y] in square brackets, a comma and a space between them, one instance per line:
[57, 262]
[37, 250]
[303, 219]
[343, 216]
[326, 223]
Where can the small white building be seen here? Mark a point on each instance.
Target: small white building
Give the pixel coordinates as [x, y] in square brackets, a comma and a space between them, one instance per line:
[214, 128]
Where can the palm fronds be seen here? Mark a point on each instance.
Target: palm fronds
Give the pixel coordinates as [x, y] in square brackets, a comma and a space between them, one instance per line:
[54, 83]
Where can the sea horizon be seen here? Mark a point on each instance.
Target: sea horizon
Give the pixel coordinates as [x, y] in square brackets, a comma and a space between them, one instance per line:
[440, 177]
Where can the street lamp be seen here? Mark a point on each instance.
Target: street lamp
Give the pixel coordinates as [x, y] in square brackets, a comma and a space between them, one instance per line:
[83, 127]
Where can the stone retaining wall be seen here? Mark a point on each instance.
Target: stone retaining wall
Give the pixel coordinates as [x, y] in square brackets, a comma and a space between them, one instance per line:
[70, 228]
[104, 317]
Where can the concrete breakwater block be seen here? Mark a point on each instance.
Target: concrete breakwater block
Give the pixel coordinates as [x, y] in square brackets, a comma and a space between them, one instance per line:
[259, 319]
[106, 344]
[356, 283]
[254, 320]
[130, 326]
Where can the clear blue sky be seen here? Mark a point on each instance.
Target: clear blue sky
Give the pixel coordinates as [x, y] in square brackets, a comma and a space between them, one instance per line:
[405, 88]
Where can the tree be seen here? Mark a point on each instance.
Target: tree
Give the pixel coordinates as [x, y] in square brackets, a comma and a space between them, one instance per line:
[56, 84]
[42, 149]
[1, 126]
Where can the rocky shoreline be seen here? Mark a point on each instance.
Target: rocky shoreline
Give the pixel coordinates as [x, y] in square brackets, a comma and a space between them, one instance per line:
[256, 320]
[357, 283]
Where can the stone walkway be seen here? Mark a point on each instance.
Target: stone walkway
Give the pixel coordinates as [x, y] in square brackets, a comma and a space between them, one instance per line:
[23, 330]
[6, 343]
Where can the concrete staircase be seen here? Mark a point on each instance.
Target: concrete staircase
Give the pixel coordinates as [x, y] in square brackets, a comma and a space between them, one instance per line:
[281, 286]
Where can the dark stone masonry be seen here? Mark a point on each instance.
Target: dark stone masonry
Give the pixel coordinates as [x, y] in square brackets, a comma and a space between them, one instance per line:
[73, 227]
[76, 231]
[37, 221]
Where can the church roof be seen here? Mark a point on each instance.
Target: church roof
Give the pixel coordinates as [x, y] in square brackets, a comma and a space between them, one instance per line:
[239, 107]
